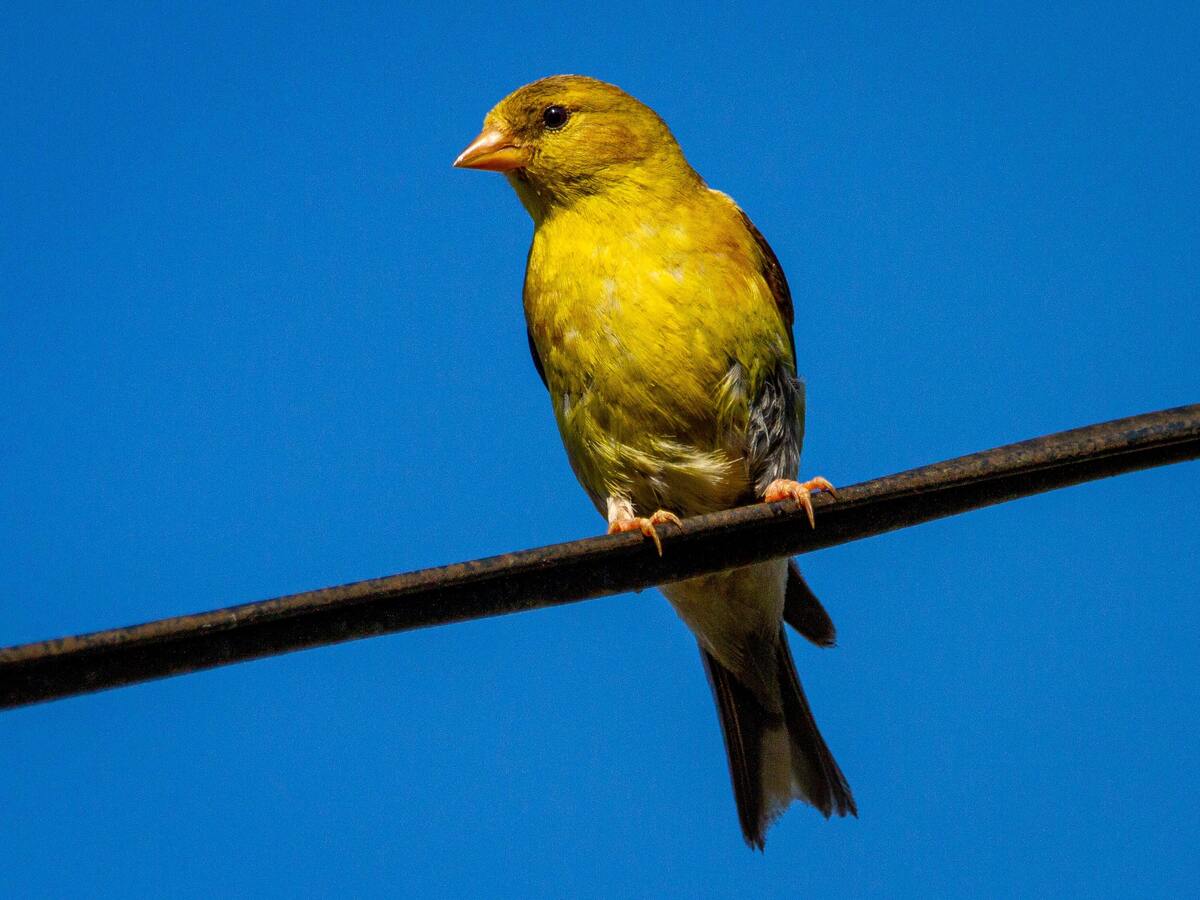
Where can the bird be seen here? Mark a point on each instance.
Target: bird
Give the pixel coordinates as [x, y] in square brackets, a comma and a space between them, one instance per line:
[661, 323]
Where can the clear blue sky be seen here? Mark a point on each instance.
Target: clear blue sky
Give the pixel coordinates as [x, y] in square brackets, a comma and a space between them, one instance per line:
[257, 336]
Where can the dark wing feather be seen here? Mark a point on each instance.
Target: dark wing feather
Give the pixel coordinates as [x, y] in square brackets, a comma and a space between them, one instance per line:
[776, 427]
[537, 360]
[804, 612]
[772, 273]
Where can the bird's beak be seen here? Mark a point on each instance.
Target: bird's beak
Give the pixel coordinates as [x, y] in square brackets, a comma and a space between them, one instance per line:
[494, 150]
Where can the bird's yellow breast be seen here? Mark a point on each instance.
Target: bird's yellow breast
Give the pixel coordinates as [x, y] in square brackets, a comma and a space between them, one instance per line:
[638, 315]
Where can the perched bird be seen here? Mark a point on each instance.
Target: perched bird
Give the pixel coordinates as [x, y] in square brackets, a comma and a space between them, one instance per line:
[660, 322]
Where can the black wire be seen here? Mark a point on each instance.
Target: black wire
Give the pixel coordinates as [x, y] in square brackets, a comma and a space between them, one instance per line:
[564, 573]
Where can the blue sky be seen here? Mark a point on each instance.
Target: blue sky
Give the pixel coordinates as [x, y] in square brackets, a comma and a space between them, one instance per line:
[256, 336]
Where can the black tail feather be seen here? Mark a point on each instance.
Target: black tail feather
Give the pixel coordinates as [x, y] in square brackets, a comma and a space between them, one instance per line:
[745, 724]
[827, 788]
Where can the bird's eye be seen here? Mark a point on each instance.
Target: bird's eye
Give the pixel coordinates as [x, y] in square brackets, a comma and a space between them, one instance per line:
[555, 117]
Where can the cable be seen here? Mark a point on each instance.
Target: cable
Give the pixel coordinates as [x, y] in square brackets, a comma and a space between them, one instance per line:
[594, 567]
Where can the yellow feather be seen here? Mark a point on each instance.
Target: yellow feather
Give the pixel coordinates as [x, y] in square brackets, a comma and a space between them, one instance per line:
[638, 311]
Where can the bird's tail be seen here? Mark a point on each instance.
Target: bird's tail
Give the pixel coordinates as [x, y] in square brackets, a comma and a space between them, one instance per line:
[774, 757]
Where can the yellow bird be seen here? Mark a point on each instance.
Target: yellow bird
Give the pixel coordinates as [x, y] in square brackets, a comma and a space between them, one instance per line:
[660, 322]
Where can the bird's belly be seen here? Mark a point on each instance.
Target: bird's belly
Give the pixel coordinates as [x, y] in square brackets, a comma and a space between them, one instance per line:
[635, 349]
[626, 436]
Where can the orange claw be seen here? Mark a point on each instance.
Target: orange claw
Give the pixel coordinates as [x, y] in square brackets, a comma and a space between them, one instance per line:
[786, 489]
[645, 526]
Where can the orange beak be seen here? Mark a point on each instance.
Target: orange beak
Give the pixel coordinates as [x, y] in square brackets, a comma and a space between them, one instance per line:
[494, 150]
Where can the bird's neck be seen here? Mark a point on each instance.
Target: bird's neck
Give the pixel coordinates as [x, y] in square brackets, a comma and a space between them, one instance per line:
[609, 194]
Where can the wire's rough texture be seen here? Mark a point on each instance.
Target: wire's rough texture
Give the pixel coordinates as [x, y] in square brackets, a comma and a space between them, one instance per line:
[563, 573]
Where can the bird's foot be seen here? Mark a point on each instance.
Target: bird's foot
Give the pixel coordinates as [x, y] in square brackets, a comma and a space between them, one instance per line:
[786, 489]
[630, 522]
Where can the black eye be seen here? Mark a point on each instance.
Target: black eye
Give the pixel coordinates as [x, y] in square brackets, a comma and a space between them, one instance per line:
[555, 117]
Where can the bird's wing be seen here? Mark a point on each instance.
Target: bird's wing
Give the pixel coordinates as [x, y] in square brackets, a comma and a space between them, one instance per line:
[772, 273]
[804, 612]
[776, 427]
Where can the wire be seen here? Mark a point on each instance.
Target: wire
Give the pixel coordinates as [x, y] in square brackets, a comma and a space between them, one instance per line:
[595, 567]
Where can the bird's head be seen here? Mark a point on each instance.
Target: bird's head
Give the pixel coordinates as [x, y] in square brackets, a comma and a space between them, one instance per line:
[568, 136]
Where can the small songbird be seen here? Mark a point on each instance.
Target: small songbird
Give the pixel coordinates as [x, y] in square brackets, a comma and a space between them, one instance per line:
[660, 322]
